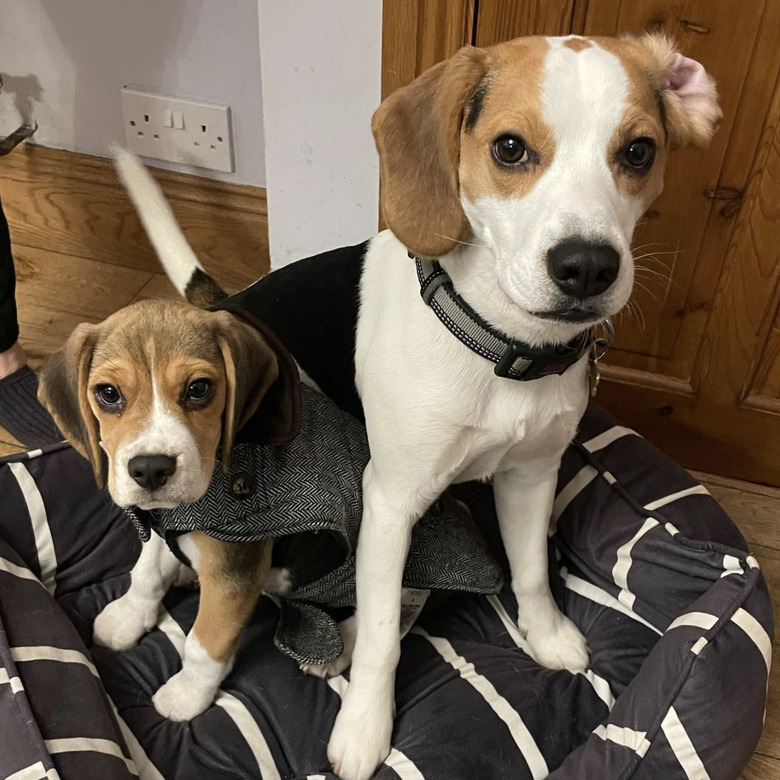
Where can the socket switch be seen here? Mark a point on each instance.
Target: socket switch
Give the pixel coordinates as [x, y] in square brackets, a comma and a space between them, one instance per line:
[180, 131]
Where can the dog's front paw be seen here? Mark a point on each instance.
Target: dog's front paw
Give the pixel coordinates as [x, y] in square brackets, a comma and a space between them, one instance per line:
[361, 736]
[558, 644]
[279, 581]
[183, 697]
[348, 630]
[123, 622]
[186, 578]
[330, 669]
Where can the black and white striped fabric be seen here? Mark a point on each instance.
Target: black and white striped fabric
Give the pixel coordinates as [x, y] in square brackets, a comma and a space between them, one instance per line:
[675, 609]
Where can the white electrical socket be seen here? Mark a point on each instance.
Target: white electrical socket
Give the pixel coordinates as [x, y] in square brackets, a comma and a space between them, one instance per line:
[180, 131]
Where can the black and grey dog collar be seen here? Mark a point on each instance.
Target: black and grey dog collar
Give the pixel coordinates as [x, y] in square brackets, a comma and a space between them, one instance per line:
[514, 359]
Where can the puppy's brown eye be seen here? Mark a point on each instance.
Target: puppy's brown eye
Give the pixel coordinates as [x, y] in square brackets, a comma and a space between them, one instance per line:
[198, 393]
[639, 154]
[510, 150]
[109, 398]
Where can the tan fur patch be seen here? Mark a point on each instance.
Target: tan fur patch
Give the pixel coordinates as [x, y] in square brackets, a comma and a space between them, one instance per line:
[641, 118]
[513, 106]
[231, 577]
[577, 44]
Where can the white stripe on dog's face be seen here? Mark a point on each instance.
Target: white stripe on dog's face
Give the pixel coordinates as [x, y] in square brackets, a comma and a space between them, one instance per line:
[166, 435]
[576, 105]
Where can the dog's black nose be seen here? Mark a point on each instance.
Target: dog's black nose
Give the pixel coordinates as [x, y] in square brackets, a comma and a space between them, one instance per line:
[151, 471]
[582, 269]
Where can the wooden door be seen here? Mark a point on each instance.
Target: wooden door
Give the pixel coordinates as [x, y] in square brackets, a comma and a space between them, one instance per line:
[696, 364]
[694, 368]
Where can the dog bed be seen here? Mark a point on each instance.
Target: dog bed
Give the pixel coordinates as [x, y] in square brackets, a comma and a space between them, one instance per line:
[675, 610]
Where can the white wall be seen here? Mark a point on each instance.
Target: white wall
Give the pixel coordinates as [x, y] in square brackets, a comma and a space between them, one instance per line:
[321, 68]
[64, 62]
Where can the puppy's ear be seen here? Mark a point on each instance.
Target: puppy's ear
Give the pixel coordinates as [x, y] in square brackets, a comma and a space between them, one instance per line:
[262, 385]
[417, 133]
[689, 98]
[62, 389]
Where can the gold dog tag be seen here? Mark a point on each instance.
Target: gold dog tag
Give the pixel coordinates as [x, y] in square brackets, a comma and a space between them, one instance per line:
[599, 349]
[594, 377]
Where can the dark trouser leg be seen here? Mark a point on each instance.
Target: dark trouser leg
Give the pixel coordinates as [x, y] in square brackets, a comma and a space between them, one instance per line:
[20, 412]
[9, 327]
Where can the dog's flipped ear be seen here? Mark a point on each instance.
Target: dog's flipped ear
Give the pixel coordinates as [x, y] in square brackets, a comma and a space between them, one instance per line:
[262, 385]
[62, 389]
[417, 133]
[690, 100]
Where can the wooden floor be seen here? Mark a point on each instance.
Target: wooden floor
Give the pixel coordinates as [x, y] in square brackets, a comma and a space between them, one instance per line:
[81, 255]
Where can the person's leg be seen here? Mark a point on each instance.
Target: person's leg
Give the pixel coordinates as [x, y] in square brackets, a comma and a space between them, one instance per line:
[20, 412]
[11, 353]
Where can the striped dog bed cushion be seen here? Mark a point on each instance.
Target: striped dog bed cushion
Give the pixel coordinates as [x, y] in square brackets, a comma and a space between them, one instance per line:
[675, 609]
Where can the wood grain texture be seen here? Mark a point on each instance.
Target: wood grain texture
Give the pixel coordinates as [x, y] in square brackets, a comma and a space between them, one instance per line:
[761, 768]
[44, 330]
[419, 33]
[158, 286]
[73, 204]
[502, 20]
[8, 445]
[75, 285]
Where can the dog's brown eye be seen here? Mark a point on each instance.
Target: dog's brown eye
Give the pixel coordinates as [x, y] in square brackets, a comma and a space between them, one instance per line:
[109, 398]
[639, 154]
[198, 392]
[510, 150]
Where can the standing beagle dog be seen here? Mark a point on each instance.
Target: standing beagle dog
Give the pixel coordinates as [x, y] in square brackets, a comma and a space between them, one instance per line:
[523, 168]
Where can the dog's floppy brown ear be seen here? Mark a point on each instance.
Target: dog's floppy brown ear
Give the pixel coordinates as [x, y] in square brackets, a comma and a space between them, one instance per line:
[259, 385]
[62, 389]
[689, 98]
[417, 133]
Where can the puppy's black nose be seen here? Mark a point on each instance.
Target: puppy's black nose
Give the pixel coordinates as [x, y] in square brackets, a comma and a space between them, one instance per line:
[582, 269]
[151, 471]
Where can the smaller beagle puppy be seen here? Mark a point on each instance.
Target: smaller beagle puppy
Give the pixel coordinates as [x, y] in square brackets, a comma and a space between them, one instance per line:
[152, 397]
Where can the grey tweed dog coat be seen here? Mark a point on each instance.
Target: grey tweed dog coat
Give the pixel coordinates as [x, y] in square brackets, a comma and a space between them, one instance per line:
[311, 488]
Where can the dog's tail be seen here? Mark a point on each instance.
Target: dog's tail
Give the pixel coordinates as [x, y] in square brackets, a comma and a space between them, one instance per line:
[176, 255]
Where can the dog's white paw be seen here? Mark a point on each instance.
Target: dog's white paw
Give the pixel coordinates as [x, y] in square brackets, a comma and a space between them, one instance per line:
[123, 622]
[348, 630]
[279, 581]
[558, 644]
[330, 669]
[360, 741]
[183, 697]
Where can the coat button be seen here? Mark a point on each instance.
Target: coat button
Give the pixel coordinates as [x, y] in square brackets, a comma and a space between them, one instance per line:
[242, 485]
